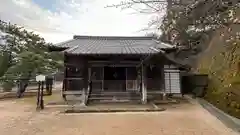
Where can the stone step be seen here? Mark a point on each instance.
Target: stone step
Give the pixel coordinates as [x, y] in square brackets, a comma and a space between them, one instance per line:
[114, 98]
[115, 101]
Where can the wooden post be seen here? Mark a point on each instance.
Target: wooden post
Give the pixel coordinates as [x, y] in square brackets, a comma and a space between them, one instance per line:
[38, 95]
[164, 93]
[86, 83]
[83, 102]
[41, 99]
[64, 87]
[89, 85]
[126, 79]
[103, 70]
[89, 77]
[144, 90]
[40, 102]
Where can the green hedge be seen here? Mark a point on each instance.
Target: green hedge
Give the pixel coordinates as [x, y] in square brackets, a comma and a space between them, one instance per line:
[7, 86]
[226, 99]
[222, 64]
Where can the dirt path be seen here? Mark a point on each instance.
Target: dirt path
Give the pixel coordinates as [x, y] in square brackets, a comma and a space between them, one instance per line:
[21, 119]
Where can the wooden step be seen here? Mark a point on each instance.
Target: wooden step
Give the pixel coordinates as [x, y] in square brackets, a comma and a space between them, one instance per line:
[112, 92]
[112, 98]
[73, 92]
[126, 95]
[113, 101]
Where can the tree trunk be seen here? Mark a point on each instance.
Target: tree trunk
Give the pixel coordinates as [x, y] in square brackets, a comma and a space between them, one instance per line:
[49, 83]
[23, 83]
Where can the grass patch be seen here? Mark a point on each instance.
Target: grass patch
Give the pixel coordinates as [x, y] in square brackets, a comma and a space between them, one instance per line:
[55, 97]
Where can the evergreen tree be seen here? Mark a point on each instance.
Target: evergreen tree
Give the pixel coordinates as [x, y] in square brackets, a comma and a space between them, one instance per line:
[26, 55]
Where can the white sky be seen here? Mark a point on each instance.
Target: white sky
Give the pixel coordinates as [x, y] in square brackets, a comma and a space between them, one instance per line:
[74, 17]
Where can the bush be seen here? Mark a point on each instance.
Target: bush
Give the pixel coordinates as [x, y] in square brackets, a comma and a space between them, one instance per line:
[228, 100]
[222, 65]
[7, 86]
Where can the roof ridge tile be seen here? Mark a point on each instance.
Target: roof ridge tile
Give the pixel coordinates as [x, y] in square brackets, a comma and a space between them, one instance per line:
[113, 37]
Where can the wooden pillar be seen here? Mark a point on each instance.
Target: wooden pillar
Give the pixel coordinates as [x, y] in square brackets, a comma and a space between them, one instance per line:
[64, 86]
[89, 83]
[89, 78]
[165, 88]
[144, 89]
[85, 83]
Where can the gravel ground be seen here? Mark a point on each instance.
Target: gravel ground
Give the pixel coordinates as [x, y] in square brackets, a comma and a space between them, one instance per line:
[18, 118]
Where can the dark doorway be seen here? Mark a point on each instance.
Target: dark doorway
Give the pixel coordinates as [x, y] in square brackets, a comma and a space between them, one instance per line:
[154, 78]
[114, 78]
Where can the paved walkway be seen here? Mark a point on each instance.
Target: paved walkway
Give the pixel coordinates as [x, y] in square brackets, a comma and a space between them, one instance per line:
[188, 119]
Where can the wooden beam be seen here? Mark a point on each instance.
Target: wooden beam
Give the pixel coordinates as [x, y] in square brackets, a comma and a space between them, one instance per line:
[73, 92]
[115, 65]
[68, 78]
[119, 62]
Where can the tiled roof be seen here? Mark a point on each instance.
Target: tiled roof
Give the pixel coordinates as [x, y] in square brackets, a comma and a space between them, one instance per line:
[111, 45]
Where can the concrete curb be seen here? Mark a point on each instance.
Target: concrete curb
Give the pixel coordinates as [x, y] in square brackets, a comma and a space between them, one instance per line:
[85, 109]
[227, 120]
[113, 110]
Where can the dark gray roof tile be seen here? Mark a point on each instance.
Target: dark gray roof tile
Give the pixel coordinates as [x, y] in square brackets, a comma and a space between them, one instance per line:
[111, 45]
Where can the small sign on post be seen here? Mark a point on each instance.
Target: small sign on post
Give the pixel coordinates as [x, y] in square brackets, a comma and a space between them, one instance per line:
[40, 78]
[40, 103]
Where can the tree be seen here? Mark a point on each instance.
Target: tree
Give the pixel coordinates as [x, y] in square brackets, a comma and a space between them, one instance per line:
[187, 20]
[27, 55]
[188, 24]
[3, 63]
[153, 35]
[194, 23]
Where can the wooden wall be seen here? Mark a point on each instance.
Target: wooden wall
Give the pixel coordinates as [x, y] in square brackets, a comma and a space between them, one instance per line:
[77, 71]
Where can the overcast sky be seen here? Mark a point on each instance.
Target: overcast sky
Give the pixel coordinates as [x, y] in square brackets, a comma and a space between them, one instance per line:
[59, 20]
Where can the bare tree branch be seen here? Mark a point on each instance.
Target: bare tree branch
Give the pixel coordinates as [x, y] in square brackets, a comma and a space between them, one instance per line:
[147, 4]
[132, 2]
